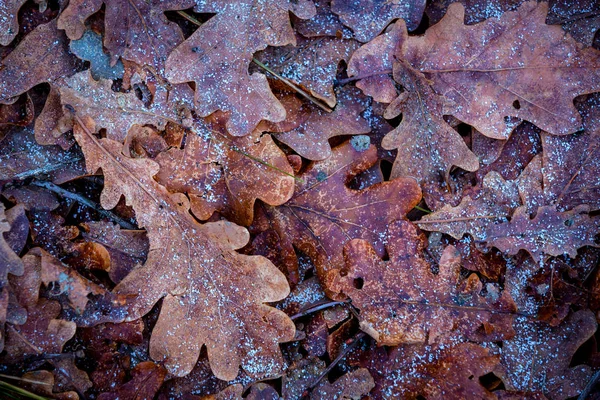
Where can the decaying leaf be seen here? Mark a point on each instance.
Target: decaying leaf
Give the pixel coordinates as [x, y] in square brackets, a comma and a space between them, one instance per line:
[217, 55]
[9, 25]
[10, 263]
[227, 174]
[538, 358]
[403, 301]
[147, 377]
[324, 213]
[204, 283]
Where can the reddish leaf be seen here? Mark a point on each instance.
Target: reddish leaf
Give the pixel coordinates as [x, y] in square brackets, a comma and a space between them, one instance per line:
[9, 24]
[227, 174]
[147, 378]
[135, 30]
[217, 55]
[549, 232]
[9, 261]
[402, 301]
[43, 54]
[222, 287]
[368, 19]
[538, 358]
[324, 213]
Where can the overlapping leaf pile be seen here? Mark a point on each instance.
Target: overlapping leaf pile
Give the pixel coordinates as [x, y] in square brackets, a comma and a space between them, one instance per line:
[298, 199]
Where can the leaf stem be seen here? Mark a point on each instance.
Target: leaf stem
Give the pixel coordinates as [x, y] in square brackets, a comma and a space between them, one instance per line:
[316, 308]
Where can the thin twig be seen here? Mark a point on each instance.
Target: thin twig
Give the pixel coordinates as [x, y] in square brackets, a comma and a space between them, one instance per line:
[85, 201]
[343, 353]
[287, 82]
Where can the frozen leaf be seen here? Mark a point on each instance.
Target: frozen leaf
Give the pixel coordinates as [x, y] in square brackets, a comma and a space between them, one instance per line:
[491, 70]
[42, 56]
[135, 30]
[9, 24]
[51, 124]
[550, 232]
[147, 378]
[489, 204]
[227, 174]
[403, 301]
[311, 63]
[368, 18]
[217, 55]
[311, 137]
[571, 163]
[117, 112]
[194, 268]
[42, 383]
[89, 48]
[434, 372]
[352, 385]
[9, 261]
[324, 213]
[538, 358]
[324, 23]
[580, 18]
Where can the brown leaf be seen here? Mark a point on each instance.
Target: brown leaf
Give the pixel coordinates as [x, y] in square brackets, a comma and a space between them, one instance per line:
[571, 163]
[42, 56]
[489, 204]
[403, 301]
[51, 124]
[217, 55]
[324, 23]
[550, 232]
[147, 378]
[9, 24]
[538, 358]
[352, 385]
[117, 112]
[434, 372]
[368, 18]
[324, 213]
[135, 30]
[311, 137]
[312, 63]
[204, 282]
[227, 174]
[9, 261]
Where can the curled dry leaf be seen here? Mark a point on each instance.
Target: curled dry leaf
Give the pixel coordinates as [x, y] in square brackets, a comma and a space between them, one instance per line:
[227, 174]
[314, 127]
[194, 268]
[324, 213]
[42, 56]
[538, 358]
[217, 55]
[135, 30]
[368, 19]
[550, 232]
[403, 301]
[435, 372]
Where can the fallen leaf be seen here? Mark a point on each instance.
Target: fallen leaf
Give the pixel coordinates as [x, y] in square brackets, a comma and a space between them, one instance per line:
[147, 378]
[223, 288]
[538, 358]
[403, 301]
[227, 174]
[217, 55]
[324, 213]
[9, 24]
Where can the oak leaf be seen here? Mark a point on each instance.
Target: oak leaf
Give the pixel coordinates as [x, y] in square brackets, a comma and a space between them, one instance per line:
[434, 372]
[42, 56]
[550, 232]
[368, 19]
[324, 213]
[211, 295]
[217, 55]
[324, 23]
[135, 30]
[545, 352]
[403, 301]
[311, 128]
[9, 261]
[227, 174]
[9, 23]
[147, 377]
